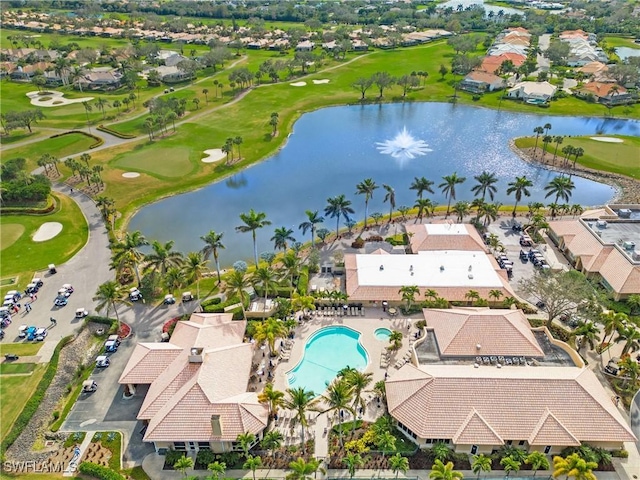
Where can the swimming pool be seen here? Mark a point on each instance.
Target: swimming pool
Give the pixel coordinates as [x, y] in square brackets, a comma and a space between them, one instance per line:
[326, 352]
[382, 334]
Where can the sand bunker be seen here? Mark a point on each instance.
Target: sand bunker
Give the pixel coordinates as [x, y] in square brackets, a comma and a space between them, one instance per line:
[213, 155]
[47, 231]
[320, 82]
[298, 84]
[54, 99]
[607, 139]
[130, 174]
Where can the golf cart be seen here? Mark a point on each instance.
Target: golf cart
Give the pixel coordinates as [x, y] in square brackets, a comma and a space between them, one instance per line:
[52, 269]
[16, 294]
[63, 292]
[89, 386]
[38, 281]
[22, 331]
[110, 346]
[68, 288]
[60, 301]
[102, 361]
[114, 338]
[134, 294]
[9, 298]
[187, 297]
[32, 288]
[81, 313]
[41, 334]
[169, 299]
[30, 333]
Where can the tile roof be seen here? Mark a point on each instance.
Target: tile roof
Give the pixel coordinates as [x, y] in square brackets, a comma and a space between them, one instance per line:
[621, 274]
[450, 401]
[459, 331]
[429, 237]
[148, 361]
[475, 430]
[486, 77]
[603, 90]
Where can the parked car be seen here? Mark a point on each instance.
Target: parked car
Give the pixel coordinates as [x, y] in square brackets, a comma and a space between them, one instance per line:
[52, 269]
[81, 313]
[1, 334]
[523, 256]
[60, 301]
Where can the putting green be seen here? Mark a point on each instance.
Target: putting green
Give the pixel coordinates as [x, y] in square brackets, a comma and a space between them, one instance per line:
[164, 162]
[9, 234]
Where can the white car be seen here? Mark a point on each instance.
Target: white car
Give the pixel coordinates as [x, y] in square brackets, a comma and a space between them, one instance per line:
[41, 334]
[134, 294]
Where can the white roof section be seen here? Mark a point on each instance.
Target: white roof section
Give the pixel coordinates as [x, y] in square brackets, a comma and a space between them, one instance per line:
[446, 229]
[445, 268]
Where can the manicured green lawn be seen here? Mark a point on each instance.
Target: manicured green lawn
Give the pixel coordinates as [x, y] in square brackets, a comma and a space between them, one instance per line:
[9, 234]
[13, 387]
[59, 147]
[21, 136]
[619, 158]
[25, 255]
[614, 41]
[16, 368]
[21, 349]
[156, 160]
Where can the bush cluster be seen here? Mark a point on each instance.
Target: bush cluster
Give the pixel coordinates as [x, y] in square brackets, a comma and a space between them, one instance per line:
[357, 243]
[99, 472]
[303, 281]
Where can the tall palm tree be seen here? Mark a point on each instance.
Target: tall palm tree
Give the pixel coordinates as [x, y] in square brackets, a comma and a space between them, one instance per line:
[574, 467]
[486, 184]
[386, 442]
[162, 257]
[612, 323]
[461, 209]
[213, 243]
[245, 440]
[630, 335]
[398, 464]
[629, 370]
[519, 187]
[449, 188]
[589, 335]
[270, 330]
[338, 398]
[546, 140]
[272, 440]
[538, 131]
[237, 283]
[265, 277]
[109, 296]
[126, 251]
[353, 461]
[538, 461]
[561, 187]
[359, 382]
[183, 464]
[252, 463]
[313, 219]
[173, 279]
[272, 397]
[302, 470]
[510, 465]
[390, 197]
[217, 469]
[444, 471]
[424, 206]
[194, 266]
[395, 340]
[480, 463]
[301, 401]
[578, 152]
[252, 222]
[409, 293]
[558, 139]
[366, 188]
[280, 238]
[290, 266]
[421, 185]
[337, 207]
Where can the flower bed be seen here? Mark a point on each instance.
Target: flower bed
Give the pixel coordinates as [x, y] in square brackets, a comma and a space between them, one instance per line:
[124, 331]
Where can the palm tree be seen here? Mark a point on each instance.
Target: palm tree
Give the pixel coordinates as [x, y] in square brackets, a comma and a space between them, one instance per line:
[272, 397]
[395, 340]
[390, 197]
[270, 330]
[589, 335]
[353, 461]
[490, 212]
[561, 187]
[629, 370]
[290, 266]
[237, 284]
[101, 104]
[313, 218]
[578, 152]
[574, 467]
[301, 401]
[558, 139]
[398, 463]
[441, 451]
[612, 322]
[409, 293]
[252, 463]
[421, 185]
[495, 294]
[183, 463]
[486, 181]
[126, 251]
[538, 461]
[338, 398]
[359, 381]
[444, 471]
[272, 440]
[252, 222]
[386, 442]
[213, 243]
[546, 140]
[266, 278]
[87, 108]
[338, 206]
[519, 187]
[217, 469]
[366, 188]
[461, 209]
[510, 465]
[538, 131]
[449, 187]
[162, 257]
[193, 268]
[109, 295]
[245, 440]
[280, 238]
[472, 296]
[173, 279]
[302, 470]
[630, 334]
[481, 463]
[424, 206]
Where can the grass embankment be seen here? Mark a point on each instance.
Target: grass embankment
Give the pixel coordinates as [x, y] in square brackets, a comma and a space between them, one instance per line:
[23, 256]
[20, 349]
[614, 41]
[620, 158]
[14, 390]
[62, 146]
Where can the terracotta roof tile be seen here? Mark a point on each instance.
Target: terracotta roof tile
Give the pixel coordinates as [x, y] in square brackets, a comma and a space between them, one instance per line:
[148, 361]
[550, 431]
[424, 240]
[475, 430]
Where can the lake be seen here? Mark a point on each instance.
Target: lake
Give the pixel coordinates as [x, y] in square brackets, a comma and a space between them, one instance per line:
[626, 52]
[333, 149]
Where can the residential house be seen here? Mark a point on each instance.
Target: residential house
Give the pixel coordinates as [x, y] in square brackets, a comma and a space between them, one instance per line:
[196, 386]
[605, 93]
[305, 46]
[493, 63]
[103, 79]
[480, 82]
[532, 91]
[26, 73]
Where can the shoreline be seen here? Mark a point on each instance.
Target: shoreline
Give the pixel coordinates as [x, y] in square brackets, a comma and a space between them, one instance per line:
[627, 189]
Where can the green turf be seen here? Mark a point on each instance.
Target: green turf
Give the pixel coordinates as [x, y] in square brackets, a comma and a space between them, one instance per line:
[26, 255]
[9, 234]
[158, 160]
[614, 41]
[60, 147]
[8, 368]
[22, 136]
[14, 391]
[20, 349]
[619, 158]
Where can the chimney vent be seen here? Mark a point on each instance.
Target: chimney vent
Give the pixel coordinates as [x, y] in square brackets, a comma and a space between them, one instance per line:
[216, 426]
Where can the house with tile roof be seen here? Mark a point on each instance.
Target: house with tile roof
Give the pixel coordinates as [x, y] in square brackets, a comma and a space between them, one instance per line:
[605, 93]
[196, 386]
[492, 63]
[449, 258]
[478, 409]
[603, 247]
[539, 91]
[479, 82]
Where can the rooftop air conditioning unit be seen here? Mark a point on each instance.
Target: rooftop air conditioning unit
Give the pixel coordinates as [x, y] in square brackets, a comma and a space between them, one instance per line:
[629, 245]
[601, 224]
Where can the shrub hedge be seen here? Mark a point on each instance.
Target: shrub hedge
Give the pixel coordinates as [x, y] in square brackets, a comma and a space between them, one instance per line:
[99, 472]
[115, 133]
[32, 403]
[50, 207]
[99, 141]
